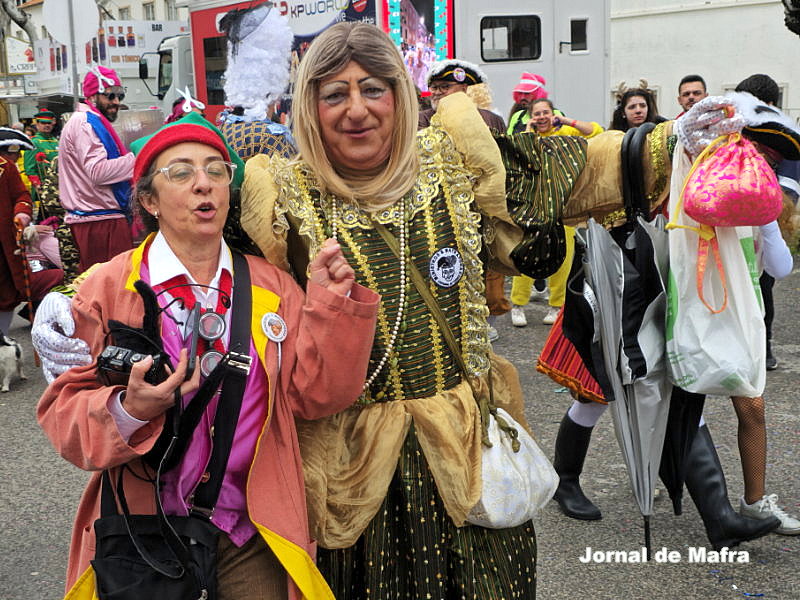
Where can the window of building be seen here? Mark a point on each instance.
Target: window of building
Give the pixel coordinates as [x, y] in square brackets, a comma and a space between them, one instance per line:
[125, 13]
[578, 40]
[149, 11]
[171, 10]
[511, 38]
[215, 51]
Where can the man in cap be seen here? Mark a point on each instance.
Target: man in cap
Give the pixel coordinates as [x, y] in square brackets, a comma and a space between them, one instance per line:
[44, 142]
[95, 172]
[529, 88]
[450, 76]
[15, 204]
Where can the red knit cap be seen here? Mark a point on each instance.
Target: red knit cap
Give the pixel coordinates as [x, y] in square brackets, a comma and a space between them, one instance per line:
[176, 133]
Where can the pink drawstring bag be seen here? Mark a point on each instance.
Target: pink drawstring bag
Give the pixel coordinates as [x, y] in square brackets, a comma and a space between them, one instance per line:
[731, 185]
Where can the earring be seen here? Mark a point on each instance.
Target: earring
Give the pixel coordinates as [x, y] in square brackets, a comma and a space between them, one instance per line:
[155, 214]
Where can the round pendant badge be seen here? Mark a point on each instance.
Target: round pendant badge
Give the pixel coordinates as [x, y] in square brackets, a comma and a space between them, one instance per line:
[212, 326]
[209, 361]
[274, 327]
[446, 267]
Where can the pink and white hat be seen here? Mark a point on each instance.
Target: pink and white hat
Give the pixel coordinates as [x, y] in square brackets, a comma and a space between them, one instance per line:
[530, 83]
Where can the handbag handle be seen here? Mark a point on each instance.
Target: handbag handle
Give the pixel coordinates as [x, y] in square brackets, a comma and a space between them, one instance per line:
[485, 405]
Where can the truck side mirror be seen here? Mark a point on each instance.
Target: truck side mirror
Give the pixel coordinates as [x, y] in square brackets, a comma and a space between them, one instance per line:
[143, 71]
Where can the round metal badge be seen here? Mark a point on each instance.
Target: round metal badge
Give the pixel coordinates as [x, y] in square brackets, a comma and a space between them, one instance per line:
[459, 74]
[209, 361]
[446, 267]
[274, 327]
[212, 326]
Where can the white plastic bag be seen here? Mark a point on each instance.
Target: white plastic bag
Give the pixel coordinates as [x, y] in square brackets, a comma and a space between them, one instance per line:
[515, 484]
[720, 353]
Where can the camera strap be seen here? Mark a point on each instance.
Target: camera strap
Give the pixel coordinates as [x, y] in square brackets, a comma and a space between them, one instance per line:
[231, 372]
[237, 367]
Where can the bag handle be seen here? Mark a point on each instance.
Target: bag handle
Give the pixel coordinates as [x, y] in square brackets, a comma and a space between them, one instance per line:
[703, 246]
[485, 405]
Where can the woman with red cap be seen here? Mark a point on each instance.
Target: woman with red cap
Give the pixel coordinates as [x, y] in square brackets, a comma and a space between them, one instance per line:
[257, 515]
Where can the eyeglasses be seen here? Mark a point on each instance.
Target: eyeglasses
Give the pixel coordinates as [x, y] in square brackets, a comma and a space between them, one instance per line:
[219, 172]
[111, 96]
[440, 87]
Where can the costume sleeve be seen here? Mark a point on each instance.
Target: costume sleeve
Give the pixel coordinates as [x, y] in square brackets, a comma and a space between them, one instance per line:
[258, 199]
[29, 165]
[775, 254]
[459, 117]
[73, 410]
[19, 195]
[598, 190]
[92, 154]
[331, 338]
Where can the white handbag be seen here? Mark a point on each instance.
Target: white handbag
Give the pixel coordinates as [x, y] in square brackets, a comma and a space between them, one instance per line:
[515, 485]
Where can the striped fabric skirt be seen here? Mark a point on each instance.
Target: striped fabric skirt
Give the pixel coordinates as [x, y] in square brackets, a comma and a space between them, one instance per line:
[561, 362]
[411, 550]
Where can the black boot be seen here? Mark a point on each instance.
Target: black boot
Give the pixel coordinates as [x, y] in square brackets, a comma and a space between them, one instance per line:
[571, 445]
[772, 362]
[706, 483]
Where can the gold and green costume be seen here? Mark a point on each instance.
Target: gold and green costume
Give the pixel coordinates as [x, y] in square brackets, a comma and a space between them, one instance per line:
[391, 480]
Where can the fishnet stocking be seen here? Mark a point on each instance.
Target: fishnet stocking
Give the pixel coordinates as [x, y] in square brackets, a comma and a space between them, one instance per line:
[752, 445]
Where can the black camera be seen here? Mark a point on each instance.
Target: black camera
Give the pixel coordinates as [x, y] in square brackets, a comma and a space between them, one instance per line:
[114, 366]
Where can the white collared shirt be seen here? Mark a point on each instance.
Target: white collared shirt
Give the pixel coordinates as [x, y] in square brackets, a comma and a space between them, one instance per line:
[164, 265]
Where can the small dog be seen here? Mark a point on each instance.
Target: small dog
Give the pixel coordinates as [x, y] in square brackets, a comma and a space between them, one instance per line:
[10, 361]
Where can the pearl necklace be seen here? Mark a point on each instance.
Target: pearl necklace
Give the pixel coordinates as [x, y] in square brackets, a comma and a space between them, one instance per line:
[403, 282]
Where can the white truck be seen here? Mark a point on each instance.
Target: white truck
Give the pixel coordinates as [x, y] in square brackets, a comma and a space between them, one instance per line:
[565, 41]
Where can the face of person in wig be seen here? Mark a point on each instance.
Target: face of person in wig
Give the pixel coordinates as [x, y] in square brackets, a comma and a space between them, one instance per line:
[635, 110]
[525, 99]
[192, 210]
[542, 116]
[356, 118]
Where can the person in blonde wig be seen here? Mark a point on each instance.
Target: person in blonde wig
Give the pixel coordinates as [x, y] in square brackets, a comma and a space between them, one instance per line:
[329, 55]
[417, 423]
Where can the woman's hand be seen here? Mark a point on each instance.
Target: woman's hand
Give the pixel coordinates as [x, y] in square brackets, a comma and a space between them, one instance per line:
[331, 270]
[144, 401]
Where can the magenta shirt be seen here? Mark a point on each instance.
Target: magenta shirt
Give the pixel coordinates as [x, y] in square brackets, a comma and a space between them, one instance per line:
[230, 514]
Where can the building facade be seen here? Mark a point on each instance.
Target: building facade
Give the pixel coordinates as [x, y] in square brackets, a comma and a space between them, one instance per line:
[724, 41]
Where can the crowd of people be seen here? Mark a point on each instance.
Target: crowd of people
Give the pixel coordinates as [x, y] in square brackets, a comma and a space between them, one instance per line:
[315, 309]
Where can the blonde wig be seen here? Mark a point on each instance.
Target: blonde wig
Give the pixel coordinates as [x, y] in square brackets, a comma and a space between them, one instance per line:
[328, 55]
[481, 95]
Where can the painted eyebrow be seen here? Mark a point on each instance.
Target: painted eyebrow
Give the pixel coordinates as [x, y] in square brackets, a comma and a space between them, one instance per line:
[360, 81]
